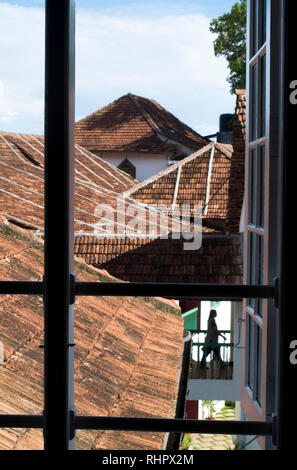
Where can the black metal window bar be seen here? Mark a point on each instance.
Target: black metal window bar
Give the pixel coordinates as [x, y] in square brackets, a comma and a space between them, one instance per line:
[59, 287]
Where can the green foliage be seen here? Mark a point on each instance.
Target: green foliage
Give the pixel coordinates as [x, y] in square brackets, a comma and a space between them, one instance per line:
[186, 442]
[230, 404]
[231, 43]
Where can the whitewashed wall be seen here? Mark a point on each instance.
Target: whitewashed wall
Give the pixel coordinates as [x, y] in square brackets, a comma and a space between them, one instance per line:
[146, 165]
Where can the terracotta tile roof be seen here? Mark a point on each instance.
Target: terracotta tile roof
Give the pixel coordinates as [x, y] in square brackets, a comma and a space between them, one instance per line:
[236, 186]
[217, 261]
[126, 349]
[201, 178]
[96, 182]
[133, 123]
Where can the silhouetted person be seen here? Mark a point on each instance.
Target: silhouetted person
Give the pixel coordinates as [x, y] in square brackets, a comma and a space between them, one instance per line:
[212, 336]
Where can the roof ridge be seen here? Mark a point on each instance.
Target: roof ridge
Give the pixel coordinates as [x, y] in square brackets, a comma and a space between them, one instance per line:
[170, 169]
[145, 115]
[151, 121]
[155, 121]
[222, 150]
[2, 132]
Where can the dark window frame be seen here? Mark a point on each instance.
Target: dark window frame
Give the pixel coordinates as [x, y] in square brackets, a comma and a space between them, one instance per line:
[59, 287]
[257, 209]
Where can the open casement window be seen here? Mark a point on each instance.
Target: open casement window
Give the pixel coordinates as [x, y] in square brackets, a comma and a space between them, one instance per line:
[263, 260]
[261, 216]
[263, 247]
[255, 392]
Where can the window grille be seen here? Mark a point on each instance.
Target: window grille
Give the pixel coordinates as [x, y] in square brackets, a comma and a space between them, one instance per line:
[59, 287]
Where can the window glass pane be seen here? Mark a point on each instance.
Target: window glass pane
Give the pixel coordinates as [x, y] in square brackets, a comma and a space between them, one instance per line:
[252, 258]
[259, 258]
[261, 186]
[259, 279]
[251, 264]
[263, 13]
[249, 352]
[254, 357]
[254, 27]
[258, 364]
[262, 129]
[256, 182]
[255, 267]
[253, 103]
[252, 187]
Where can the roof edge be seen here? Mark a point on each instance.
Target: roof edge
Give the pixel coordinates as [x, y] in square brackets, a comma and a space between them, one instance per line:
[144, 114]
[170, 169]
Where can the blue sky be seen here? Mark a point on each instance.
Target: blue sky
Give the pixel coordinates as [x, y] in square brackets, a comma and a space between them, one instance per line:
[209, 7]
[159, 49]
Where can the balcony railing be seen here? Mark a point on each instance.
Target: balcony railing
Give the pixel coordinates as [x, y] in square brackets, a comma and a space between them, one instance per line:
[212, 369]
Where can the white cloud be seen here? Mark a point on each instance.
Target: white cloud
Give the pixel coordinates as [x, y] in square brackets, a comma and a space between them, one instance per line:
[169, 58]
[205, 129]
[21, 68]
[1, 94]
[170, 50]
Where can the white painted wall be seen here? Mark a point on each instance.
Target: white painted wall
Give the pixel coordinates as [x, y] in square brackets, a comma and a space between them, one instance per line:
[146, 164]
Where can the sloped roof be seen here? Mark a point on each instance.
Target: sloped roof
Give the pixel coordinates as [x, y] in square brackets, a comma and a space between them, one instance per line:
[163, 260]
[126, 349]
[201, 178]
[218, 260]
[22, 178]
[133, 123]
[96, 183]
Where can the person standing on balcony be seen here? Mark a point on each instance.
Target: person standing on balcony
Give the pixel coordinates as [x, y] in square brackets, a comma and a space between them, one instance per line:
[211, 340]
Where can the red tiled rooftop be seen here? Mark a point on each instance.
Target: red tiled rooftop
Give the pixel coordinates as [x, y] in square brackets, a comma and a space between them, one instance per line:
[201, 178]
[218, 260]
[219, 191]
[126, 349]
[133, 123]
[96, 183]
